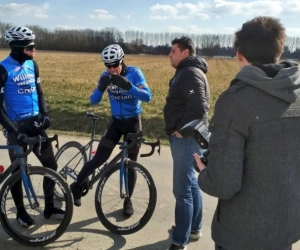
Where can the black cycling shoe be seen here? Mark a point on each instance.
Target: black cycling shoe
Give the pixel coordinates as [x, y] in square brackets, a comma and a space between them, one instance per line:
[76, 191]
[127, 207]
[24, 219]
[54, 213]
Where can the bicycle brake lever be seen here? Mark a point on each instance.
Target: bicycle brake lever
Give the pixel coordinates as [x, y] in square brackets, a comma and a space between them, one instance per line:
[55, 137]
[158, 150]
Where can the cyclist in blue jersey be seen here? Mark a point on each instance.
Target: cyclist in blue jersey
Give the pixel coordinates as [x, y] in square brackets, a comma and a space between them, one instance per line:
[127, 89]
[23, 113]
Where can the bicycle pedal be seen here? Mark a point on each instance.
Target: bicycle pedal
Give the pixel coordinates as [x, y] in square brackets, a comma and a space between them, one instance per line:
[84, 192]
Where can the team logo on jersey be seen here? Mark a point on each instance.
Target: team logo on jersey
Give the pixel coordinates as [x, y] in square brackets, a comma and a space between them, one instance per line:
[24, 79]
[22, 91]
[112, 87]
[121, 97]
[16, 69]
[115, 89]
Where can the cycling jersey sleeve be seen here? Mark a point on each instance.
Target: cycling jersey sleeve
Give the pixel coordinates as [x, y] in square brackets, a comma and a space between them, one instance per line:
[4, 120]
[96, 96]
[41, 97]
[140, 88]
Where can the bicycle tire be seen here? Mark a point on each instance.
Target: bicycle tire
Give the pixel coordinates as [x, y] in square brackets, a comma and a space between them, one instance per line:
[38, 241]
[151, 205]
[59, 153]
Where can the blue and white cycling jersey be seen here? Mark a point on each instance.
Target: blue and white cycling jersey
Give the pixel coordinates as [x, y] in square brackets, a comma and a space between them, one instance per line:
[125, 104]
[20, 92]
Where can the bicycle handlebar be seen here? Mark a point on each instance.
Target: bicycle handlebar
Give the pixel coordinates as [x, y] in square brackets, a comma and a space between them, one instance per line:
[31, 142]
[153, 146]
[136, 138]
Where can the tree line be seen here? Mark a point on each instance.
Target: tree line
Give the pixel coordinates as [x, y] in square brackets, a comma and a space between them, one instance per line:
[136, 42]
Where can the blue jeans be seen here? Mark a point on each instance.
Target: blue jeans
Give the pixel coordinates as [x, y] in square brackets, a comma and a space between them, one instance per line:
[188, 207]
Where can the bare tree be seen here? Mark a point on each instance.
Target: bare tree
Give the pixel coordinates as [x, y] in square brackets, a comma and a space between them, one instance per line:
[3, 28]
[135, 41]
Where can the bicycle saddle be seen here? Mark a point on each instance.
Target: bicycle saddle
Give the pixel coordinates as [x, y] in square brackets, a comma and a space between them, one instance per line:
[93, 116]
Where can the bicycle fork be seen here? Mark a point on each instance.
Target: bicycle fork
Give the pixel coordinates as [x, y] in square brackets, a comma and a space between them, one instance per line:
[124, 173]
[28, 185]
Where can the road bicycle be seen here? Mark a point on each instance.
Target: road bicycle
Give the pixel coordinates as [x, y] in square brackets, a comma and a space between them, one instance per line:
[114, 172]
[44, 231]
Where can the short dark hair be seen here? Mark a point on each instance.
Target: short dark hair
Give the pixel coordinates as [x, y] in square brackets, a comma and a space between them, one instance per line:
[185, 42]
[261, 40]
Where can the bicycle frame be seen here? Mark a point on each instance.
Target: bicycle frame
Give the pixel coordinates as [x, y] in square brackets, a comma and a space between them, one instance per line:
[92, 140]
[122, 155]
[94, 178]
[22, 162]
[83, 150]
[89, 146]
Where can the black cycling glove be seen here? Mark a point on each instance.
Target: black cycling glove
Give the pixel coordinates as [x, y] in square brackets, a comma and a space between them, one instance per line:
[19, 138]
[104, 82]
[121, 82]
[43, 123]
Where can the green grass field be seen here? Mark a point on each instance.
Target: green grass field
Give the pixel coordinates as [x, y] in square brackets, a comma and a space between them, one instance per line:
[69, 78]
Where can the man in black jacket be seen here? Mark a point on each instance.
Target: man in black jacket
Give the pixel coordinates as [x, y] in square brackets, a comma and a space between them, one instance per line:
[187, 100]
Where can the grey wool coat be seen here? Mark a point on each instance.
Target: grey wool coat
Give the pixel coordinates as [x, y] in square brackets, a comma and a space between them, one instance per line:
[254, 159]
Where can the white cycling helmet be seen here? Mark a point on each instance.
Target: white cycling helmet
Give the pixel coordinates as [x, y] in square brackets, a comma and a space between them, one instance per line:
[112, 54]
[19, 33]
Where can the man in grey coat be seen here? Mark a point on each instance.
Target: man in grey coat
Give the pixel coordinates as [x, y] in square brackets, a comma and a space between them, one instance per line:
[254, 150]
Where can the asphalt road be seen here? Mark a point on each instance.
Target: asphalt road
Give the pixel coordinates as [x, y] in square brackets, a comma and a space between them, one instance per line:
[86, 231]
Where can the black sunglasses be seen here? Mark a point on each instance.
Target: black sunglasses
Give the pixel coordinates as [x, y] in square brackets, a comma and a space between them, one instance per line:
[116, 65]
[112, 66]
[27, 48]
[30, 47]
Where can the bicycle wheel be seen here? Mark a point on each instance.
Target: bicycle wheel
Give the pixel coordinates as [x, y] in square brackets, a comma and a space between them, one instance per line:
[44, 231]
[143, 200]
[70, 157]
